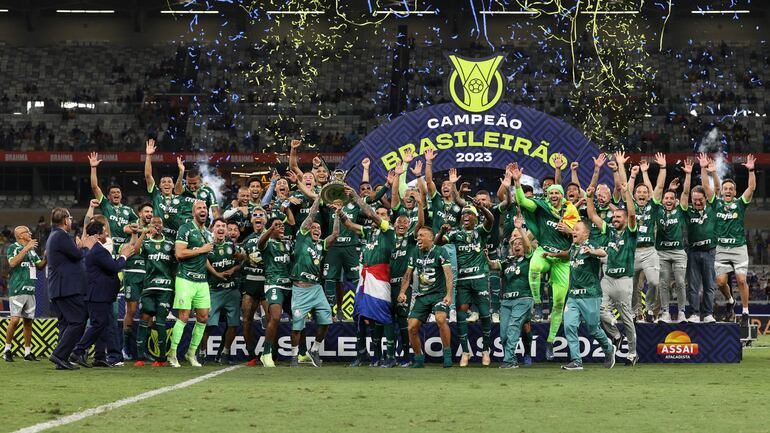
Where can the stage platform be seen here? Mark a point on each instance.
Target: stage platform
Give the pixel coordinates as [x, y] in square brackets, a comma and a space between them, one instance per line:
[656, 343]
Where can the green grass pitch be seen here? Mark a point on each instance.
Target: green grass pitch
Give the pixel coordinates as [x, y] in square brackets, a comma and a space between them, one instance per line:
[542, 398]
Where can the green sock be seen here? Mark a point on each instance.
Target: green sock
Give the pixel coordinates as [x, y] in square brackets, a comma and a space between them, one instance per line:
[377, 331]
[160, 327]
[330, 290]
[462, 330]
[197, 336]
[176, 334]
[361, 332]
[141, 339]
[127, 337]
[486, 331]
[447, 356]
[268, 348]
[419, 359]
[390, 340]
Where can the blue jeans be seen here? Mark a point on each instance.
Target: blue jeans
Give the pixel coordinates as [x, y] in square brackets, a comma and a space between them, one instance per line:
[513, 314]
[589, 309]
[700, 273]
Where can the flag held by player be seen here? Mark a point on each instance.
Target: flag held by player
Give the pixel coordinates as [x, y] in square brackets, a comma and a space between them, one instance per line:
[372, 299]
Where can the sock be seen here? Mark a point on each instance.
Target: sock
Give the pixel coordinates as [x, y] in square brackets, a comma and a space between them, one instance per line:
[486, 330]
[462, 329]
[330, 290]
[127, 337]
[303, 344]
[7, 348]
[27, 350]
[176, 335]
[419, 359]
[197, 336]
[226, 352]
[361, 332]
[316, 347]
[404, 331]
[141, 338]
[390, 343]
[377, 332]
[294, 351]
[745, 310]
[160, 327]
[448, 355]
[274, 349]
[267, 349]
[526, 338]
[534, 286]
[731, 300]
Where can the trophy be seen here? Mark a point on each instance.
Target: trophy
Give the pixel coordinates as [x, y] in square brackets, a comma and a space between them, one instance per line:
[335, 189]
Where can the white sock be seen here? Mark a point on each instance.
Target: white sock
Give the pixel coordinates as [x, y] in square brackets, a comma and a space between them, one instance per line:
[7, 348]
[316, 346]
[745, 310]
[294, 350]
[731, 300]
[27, 350]
[225, 352]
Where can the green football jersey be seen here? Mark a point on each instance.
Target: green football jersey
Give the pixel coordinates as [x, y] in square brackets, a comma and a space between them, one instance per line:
[308, 255]
[117, 217]
[277, 259]
[515, 275]
[378, 244]
[669, 227]
[621, 249]
[188, 199]
[584, 272]
[23, 277]
[645, 225]
[167, 208]
[194, 268]
[443, 212]
[730, 222]
[222, 258]
[597, 234]
[159, 264]
[429, 268]
[702, 227]
[301, 210]
[470, 244]
[346, 237]
[409, 213]
[493, 240]
[135, 263]
[254, 265]
[403, 248]
[509, 221]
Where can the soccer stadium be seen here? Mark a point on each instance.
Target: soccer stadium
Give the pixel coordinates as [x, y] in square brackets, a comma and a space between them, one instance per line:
[348, 216]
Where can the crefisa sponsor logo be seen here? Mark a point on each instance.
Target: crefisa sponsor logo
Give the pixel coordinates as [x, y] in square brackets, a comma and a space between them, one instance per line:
[677, 346]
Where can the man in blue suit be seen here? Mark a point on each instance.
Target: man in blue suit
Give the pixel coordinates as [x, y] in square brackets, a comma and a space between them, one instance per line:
[103, 287]
[66, 285]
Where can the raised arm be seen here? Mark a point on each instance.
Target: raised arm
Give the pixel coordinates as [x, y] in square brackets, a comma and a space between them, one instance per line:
[94, 161]
[714, 176]
[429, 155]
[440, 239]
[335, 232]
[178, 186]
[558, 161]
[505, 184]
[630, 210]
[274, 178]
[93, 204]
[489, 219]
[685, 197]
[365, 208]
[453, 179]
[703, 161]
[306, 191]
[149, 150]
[599, 161]
[350, 225]
[312, 212]
[574, 178]
[621, 179]
[521, 199]
[518, 222]
[591, 208]
[395, 196]
[657, 193]
[365, 164]
[644, 165]
[749, 164]
[420, 205]
[293, 165]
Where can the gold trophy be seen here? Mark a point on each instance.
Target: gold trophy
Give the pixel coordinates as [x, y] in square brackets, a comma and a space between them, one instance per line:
[335, 189]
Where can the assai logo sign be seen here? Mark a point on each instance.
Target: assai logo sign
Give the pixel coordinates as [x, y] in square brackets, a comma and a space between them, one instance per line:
[677, 346]
[481, 84]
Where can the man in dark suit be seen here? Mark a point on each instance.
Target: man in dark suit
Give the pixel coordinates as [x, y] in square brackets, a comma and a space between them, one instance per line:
[66, 285]
[103, 287]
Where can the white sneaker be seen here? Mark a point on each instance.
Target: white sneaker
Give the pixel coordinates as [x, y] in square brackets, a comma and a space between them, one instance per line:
[495, 317]
[709, 319]
[694, 319]
[452, 316]
[664, 317]
[432, 318]
[681, 318]
[172, 361]
[474, 317]
[190, 357]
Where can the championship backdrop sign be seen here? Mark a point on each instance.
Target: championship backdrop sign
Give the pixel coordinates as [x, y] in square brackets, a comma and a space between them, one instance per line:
[475, 130]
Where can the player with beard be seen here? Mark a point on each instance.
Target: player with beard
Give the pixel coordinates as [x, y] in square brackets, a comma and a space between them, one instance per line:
[617, 284]
[276, 255]
[133, 280]
[223, 263]
[191, 289]
[307, 294]
[552, 222]
[669, 241]
[159, 264]
[732, 253]
[164, 196]
[432, 266]
[239, 212]
[372, 196]
[701, 244]
[646, 261]
[118, 215]
[472, 284]
[194, 190]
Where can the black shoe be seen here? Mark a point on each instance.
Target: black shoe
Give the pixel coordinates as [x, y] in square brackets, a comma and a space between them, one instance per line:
[617, 342]
[8, 356]
[729, 312]
[102, 363]
[744, 320]
[31, 357]
[62, 364]
[81, 360]
[631, 361]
